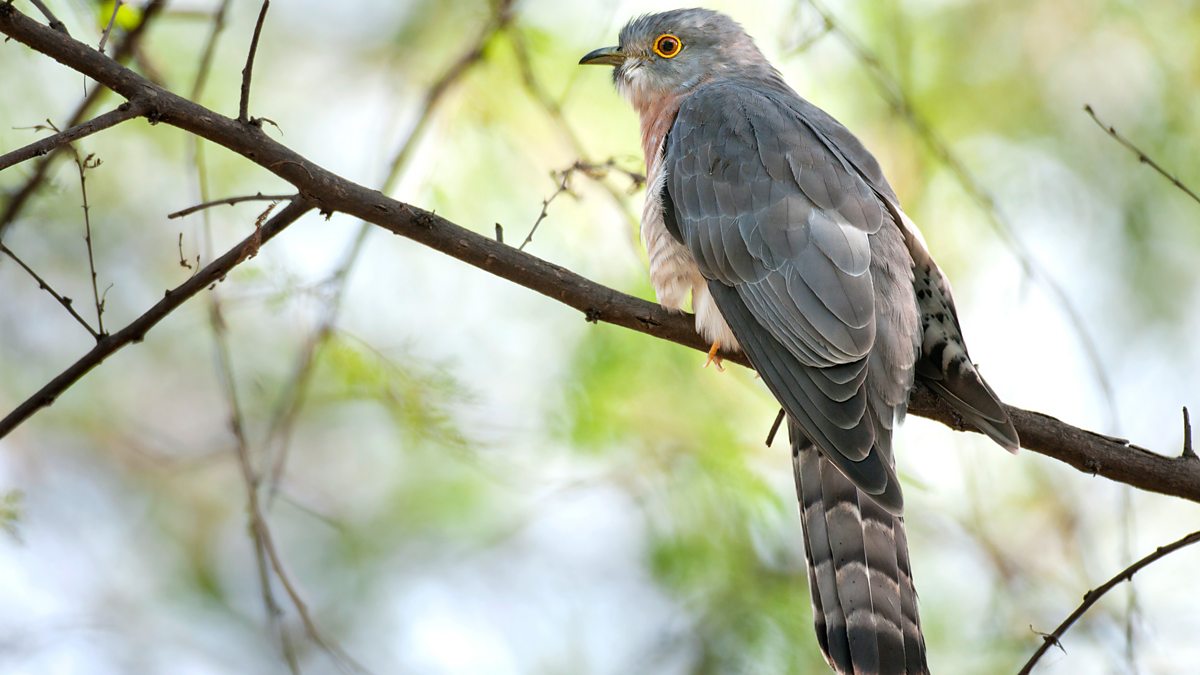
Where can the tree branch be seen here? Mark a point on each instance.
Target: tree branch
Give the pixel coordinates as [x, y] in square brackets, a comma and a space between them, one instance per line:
[66, 302]
[124, 49]
[1085, 450]
[244, 102]
[1091, 597]
[136, 331]
[229, 201]
[124, 112]
[1142, 156]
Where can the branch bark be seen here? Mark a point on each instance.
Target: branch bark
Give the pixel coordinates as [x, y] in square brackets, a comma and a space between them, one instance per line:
[125, 111]
[1085, 450]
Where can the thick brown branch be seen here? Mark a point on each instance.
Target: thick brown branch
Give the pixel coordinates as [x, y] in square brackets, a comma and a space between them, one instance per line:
[1085, 450]
[125, 111]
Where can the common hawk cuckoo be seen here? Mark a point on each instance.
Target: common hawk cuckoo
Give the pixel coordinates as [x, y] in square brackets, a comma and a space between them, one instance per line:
[795, 250]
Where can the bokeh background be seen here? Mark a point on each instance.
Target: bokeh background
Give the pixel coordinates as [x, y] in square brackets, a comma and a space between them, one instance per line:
[472, 479]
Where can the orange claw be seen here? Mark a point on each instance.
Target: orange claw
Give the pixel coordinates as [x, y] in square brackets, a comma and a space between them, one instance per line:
[713, 358]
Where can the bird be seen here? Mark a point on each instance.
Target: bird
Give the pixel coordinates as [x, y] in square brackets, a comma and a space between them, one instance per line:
[794, 249]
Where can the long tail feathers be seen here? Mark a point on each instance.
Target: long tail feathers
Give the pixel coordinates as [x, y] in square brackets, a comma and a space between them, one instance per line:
[864, 602]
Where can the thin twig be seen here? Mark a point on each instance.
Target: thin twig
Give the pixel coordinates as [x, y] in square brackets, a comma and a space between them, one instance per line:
[244, 103]
[108, 29]
[122, 113]
[563, 186]
[136, 331]
[83, 164]
[62, 300]
[230, 201]
[1188, 452]
[593, 171]
[124, 50]
[775, 427]
[210, 45]
[1095, 594]
[53, 20]
[1142, 157]
[182, 260]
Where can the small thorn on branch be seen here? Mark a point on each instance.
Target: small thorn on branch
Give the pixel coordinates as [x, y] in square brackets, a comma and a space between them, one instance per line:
[1188, 451]
[499, 233]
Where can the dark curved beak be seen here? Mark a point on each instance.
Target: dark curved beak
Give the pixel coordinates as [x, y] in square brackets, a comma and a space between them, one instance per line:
[605, 56]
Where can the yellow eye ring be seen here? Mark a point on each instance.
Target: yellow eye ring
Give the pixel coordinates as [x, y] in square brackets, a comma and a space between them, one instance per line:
[667, 46]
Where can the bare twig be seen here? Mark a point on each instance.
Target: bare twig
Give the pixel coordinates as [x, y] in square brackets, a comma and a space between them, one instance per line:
[111, 21]
[1095, 594]
[259, 530]
[775, 427]
[124, 112]
[244, 102]
[564, 182]
[124, 50]
[210, 45]
[1188, 452]
[83, 164]
[1142, 157]
[64, 301]
[182, 260]
[54, 22]
[136, 331]
[230, 201]
[1087, 451]
[563, 178]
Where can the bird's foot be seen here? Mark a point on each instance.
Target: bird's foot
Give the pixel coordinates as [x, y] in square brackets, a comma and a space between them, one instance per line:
[713, 358]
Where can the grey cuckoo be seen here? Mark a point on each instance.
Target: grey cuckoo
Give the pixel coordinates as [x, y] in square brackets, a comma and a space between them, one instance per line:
[795, 250]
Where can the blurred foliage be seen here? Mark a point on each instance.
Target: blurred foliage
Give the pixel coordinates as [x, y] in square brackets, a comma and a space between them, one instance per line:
[10, 513]
[477, 480]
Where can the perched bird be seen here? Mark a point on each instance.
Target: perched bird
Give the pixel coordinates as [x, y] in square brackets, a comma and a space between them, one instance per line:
[795, 250]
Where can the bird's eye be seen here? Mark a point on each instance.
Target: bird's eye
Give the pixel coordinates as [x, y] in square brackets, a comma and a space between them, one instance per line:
[667, 45]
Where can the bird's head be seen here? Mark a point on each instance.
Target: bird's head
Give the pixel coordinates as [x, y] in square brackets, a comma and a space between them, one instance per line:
[662, 55]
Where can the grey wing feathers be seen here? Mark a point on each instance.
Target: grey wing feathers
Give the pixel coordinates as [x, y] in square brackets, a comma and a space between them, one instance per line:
[781, 226]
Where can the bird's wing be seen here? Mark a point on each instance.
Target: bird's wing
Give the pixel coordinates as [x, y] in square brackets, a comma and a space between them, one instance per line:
[779, 220]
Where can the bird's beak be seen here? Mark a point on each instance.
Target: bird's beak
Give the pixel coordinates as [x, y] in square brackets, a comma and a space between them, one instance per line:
[605, 56]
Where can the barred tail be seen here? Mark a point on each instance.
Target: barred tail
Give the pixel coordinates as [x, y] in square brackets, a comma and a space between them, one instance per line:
[864, 603]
